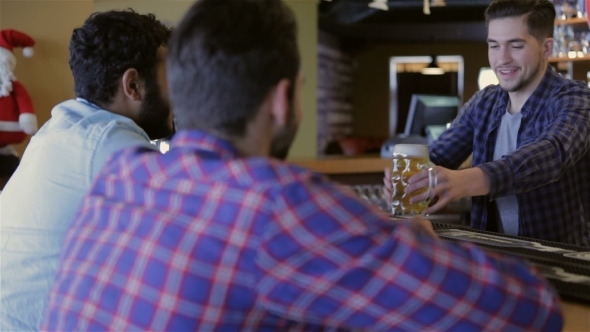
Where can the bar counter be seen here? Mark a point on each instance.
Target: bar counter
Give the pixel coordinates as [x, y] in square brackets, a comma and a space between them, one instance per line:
[363, 169]
[565, 266]
[576, 317]
[346, 165]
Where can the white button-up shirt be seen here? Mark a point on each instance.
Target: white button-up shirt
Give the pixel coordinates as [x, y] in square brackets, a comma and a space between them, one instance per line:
[42, 197]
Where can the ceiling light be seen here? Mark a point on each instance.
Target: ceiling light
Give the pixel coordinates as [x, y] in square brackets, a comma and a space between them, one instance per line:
[379, 4]
[433, 68]
[437, 3]
[426, 7]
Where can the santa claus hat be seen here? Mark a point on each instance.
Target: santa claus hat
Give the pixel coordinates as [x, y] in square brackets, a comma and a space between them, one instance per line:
[9, 39]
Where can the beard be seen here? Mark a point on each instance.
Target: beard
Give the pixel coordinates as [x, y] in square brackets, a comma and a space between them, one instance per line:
[524, 81]
[281, 143]
[154, 113]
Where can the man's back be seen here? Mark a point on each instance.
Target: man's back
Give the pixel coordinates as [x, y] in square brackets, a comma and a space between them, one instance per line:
[42, 197]
[201, 239]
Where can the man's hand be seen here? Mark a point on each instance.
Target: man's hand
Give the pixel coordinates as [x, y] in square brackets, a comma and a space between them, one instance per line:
[449, 185]
[422, 226]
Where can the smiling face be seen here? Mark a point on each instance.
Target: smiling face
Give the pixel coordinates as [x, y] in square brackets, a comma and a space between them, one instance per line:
[517, 57]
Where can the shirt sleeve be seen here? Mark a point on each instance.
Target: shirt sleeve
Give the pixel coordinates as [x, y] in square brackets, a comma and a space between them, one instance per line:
[543, 160]
[455, 144]
[332, 260]
[118, 137]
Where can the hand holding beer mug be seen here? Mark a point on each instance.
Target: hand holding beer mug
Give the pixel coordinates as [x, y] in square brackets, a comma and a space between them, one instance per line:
[409, 159]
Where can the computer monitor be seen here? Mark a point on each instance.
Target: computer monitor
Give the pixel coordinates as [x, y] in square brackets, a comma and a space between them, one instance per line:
[427, 120]
[429, 110]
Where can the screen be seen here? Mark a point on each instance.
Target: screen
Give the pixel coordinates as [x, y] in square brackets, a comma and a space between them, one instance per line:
[430, 110]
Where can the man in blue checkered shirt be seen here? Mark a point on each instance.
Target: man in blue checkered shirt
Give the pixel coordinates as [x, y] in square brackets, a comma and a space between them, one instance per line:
[528, 135]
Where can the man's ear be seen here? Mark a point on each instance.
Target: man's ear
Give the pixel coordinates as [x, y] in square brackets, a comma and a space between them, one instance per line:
[132, 85]
[279, 102]
[548, 47]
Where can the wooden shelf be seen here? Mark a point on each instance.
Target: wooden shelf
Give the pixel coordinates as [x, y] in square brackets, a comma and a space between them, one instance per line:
[346, 165]
[566, 59]
[572, 21]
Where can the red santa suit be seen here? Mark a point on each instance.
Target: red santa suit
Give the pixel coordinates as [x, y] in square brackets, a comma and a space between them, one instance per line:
[13, 106]
[17, 118]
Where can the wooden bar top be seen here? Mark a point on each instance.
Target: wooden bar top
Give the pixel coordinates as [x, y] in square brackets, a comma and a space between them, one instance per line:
[576, 317]
[346, 165]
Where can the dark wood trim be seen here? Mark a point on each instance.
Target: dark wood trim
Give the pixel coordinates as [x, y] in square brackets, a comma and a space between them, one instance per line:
[424, 32]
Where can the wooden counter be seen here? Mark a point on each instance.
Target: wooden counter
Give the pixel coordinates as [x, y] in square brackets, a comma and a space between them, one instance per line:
[576, 317]
[367, 169]
[346, 165]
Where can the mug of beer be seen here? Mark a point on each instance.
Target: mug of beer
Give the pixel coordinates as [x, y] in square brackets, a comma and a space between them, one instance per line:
[409, 159]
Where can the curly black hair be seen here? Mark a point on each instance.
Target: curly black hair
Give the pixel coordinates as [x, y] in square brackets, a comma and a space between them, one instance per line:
[107, 45]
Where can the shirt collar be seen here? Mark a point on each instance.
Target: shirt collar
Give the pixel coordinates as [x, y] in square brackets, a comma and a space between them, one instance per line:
[203, 141]
[84, 101]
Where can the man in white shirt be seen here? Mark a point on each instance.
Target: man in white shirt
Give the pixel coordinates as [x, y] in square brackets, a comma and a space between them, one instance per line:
[118, 62]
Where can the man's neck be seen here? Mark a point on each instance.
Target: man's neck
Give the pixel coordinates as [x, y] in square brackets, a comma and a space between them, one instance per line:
[519, 98]
[249, 145]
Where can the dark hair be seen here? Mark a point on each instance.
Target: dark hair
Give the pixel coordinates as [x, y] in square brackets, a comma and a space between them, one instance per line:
[540, 14]
[223, 59]
[108, 44]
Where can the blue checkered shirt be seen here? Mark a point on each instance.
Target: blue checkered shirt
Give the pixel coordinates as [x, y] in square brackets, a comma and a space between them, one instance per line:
[200, 239]
[549, 172]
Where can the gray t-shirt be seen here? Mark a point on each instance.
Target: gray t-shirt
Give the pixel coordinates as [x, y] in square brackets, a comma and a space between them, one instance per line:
[506, 143]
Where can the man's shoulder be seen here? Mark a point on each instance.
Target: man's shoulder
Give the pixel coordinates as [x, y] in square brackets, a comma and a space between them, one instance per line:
[565, 94]
[277, 172]
[132, 158]
[77, 116]
[557, 87]
[79, 125]
[144, 164]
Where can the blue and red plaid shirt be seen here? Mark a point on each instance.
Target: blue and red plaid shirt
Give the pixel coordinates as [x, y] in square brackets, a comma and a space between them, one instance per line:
[549, 172]
[200, 239]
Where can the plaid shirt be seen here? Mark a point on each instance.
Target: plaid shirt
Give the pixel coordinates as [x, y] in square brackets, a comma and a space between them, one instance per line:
[549, 172]
[199, 239]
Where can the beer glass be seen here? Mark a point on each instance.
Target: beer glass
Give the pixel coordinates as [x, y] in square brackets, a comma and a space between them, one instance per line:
[409, 159]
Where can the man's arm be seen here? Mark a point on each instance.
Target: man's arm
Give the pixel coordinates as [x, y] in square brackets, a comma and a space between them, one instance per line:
[455, 144]
[330, 259]
[451, 150]
[544, 160]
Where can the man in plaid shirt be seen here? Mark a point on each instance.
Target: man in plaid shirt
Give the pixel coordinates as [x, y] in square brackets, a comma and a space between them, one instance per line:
[216, 235]
[529, 137]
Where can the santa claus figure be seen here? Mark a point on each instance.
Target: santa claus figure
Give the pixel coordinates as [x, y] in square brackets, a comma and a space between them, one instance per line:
[17, 118]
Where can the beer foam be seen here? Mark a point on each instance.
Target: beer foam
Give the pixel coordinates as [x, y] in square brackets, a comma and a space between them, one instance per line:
[411, 150]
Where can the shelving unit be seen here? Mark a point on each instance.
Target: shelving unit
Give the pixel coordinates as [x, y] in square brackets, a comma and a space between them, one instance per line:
[566, 59]
[566, 64]
[572, 21]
